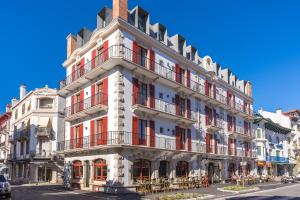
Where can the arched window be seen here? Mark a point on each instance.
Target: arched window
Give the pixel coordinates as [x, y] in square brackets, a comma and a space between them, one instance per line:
[182, 169]
[277, 140]
[141, 169]
[100, 170]
[77, 169]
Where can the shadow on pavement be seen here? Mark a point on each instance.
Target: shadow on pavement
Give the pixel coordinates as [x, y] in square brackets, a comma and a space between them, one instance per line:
[263, 198]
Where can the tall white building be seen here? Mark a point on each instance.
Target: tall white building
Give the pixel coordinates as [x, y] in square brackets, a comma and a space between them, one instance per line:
[274, 136]
[141, 104]
[37, 122]
[4, 133]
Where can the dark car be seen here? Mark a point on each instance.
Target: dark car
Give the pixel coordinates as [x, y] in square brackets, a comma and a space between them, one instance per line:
[288, 179]
[5, 189]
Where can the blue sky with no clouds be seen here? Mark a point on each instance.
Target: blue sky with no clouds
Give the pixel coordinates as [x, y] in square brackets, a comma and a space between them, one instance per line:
[258, 40]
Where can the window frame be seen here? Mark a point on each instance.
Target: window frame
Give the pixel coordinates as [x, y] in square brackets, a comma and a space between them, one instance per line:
[102, 166]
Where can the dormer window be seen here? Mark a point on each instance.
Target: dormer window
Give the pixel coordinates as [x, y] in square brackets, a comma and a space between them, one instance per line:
[161, 35]
[142, 19]
[180, 46]
[46, 103]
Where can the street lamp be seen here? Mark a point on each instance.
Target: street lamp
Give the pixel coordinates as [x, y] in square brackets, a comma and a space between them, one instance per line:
[243, 178]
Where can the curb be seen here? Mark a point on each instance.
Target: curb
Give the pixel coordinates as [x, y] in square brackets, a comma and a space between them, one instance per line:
[239, 192]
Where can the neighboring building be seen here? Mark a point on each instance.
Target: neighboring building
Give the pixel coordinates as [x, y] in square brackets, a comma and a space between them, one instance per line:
[294, 116]
[4, 133]
[273, 143]
[36, 124]
[141, 104]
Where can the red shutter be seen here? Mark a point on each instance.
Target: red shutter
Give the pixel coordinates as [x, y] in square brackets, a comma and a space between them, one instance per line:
[233, 99]
[135, 52]
[135, 131]
[177, 104]
[206, 116]
[73, 73]
[214, 91]
[188, 108]
[80, 143]
[234, 143]
[94, 58]
[188, 78]
[229, 146]
[228, 122]
[189, 139]
[82, 67]
[72, 105]
[104, 98]
[71, 137]
[92, 133]
[234, 124]
[207, 142]
[245, 127]
[104, 131]
[152, 60]
[206, 88]
[216, 144]
[177, 132]
[93, 96]
[152, 95]
[245, 106]
[215, 117]
[152, 133]
[105, 51]
[135, 91]
[177, 73]
[81, 99]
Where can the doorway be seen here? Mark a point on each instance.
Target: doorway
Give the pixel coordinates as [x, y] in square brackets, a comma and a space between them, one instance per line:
[163, 169]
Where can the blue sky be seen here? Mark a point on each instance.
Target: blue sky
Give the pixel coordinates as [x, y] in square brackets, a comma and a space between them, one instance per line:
[258, 40]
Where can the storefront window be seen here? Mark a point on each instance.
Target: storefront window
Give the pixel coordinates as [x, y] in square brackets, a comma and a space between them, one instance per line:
[77, 170]
[100, 170]
[141, 170]
[182, 169]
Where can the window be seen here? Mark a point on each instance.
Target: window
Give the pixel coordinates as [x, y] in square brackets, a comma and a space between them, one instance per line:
[16, 114]
[180, 46]
[182, 169]
[258, 133]
[182, 138]
[99, 132]
[100, 170]
[143, 94]
[161, 95]
[142, 22]
[46, 103]
[27, 146]
[270, 138]
[22, 148]
[77, 103]
[99, 93]
[141, 170]
[76, 135]
[142, 131]
[259, 150]
[161, 35]
[29, 106]
[288, 139]
[277, 140]
[77, 169]
[23, 109]
[181, 106]
[142, 56]
[161, 130]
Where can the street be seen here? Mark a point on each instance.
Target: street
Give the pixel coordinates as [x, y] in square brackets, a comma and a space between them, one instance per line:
[54, 192]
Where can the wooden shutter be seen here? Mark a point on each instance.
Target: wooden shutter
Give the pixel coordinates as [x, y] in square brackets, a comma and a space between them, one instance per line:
[152, 95]
[80, 143]
[72, 105]
[234, 124]
[228, 122]
[234, 144]
[245, 127]
[82, 67]
[92, 133]
[73, 74]
[229, 146]
[177, 135]
[215, 117]
[233, 99]
[71, 137]
[189, 139]
[135, 131]
[104, 96]
[81, 99]
[104, 131]
[93, 61]
[177, 73]
[188, 78]
[152, 133]
[135, 52]
[93, 96]
[177, 104]
[206, 115]
[206, 85]
[207, 142]
[216, 143]
[135, 91]
[188, 108]
[152, 60]
[105, 51]
[214, 91]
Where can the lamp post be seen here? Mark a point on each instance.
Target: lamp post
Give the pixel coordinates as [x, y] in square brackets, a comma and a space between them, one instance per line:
[243, 178]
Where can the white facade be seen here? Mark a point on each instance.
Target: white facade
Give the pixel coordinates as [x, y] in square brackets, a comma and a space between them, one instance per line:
[153, 109]
[36, 124]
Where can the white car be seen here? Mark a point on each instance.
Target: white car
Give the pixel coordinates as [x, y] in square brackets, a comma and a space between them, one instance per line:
[5, 189]
[298, 177]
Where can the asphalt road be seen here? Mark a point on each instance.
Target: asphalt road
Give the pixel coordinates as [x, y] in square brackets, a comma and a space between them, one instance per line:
[52, 192]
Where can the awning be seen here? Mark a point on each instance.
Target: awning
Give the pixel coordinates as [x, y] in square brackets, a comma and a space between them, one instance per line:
[261, 163]
[45, 122]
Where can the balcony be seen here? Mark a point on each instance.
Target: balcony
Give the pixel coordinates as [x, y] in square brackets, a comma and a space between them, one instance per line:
[41, 155]
[88, 106]
[214, 125]
[43, 132]
[161, 108]
[277, 159]
[213, 150]
[240, 133]
[113, 139]
[120, 55]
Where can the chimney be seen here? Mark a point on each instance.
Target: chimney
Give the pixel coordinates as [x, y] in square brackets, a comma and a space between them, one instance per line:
[14, 101]
[278, 111]
[120, 9]
[71, 44]
[22, 91]
[7, 108]
[249, 89]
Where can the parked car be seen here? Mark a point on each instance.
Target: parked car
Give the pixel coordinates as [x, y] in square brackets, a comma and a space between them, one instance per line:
[288, 179]
[5, 189]
[297, 177]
